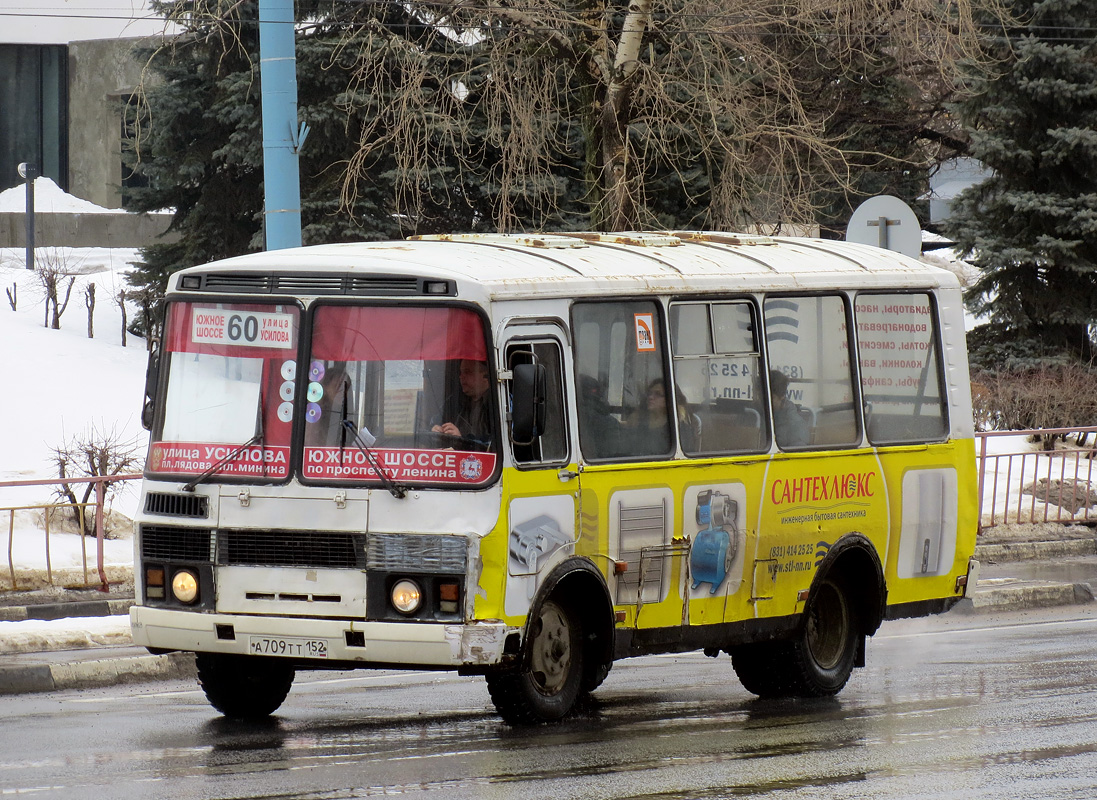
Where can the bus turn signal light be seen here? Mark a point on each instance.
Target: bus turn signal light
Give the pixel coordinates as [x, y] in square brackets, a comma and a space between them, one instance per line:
[448, 595]
[154, 582]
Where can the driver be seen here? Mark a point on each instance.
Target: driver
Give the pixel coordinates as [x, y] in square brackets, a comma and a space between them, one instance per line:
[469, 413]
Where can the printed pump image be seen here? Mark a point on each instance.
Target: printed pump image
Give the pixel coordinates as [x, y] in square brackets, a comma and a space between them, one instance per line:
[714, 548]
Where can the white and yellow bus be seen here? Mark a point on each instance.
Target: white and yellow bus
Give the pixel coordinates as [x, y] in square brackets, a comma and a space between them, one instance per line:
[527, 457]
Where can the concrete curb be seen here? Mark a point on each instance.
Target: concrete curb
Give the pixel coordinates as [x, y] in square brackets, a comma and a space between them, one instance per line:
[1010, 594]
[1035, 551]
[82, 608]
[95, 673]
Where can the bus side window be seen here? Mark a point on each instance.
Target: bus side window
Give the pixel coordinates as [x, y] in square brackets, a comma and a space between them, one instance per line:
[901, 379]
[810, 372]
[624, 402]
[716, 374]
[552, 445]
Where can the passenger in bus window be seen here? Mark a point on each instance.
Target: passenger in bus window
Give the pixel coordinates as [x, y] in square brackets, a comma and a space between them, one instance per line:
[468, 414]
[599, 430]
[789, 426]
[648, 429]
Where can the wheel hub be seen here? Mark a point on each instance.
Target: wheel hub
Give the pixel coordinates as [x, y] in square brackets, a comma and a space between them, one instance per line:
[827, 627]
[550, 655]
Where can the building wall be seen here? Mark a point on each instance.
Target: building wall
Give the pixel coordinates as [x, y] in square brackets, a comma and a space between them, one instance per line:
[33, 111]
[86, 230]
[102, 75]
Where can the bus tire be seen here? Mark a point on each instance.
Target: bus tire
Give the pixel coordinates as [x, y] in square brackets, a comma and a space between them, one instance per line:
[545, 687]
[824, 652]
[594, 676]
[759, 668]
[817, 662]
[244, 687]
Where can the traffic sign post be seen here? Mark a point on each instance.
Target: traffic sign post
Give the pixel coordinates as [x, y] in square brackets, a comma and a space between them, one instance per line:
[886, 222]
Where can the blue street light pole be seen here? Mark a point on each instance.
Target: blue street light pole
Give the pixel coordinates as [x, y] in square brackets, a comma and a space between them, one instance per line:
[282, 138]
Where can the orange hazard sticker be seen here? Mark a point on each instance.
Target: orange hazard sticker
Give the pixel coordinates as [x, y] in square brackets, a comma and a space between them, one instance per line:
[645, 332]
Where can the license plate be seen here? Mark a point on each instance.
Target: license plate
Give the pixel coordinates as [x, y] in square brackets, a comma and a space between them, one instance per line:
[288, 646]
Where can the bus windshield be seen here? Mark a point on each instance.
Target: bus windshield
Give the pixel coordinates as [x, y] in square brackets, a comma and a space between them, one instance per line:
[230, 390]
[399, 389]
[406, 387]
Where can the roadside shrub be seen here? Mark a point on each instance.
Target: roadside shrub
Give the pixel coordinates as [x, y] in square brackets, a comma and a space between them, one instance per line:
[92, 454]
[1052, 395]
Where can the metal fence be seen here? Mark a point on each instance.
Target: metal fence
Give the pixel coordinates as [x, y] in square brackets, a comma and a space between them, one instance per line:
[1019, 482]
[99, 579]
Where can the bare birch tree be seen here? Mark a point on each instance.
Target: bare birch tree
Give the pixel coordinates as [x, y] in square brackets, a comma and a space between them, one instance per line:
[120, 301]
[89, 302]
[98, 452]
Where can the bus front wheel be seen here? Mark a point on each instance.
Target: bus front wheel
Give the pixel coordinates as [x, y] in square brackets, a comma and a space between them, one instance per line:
[816, 662]
[243, 687]
[545, 687]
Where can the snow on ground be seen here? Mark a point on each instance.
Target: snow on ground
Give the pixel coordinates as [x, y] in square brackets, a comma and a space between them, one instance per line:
[60, 385]
[37, 636]
[49, 198]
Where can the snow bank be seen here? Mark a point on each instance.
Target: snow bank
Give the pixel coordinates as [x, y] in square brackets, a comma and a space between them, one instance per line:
[49, 198]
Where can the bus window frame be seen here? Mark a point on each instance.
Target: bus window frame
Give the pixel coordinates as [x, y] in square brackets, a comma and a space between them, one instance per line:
[854, 372]
[659, 303]
[942, 378]
[568, 429]
[709, 300]
[308, 326]
[163, 376]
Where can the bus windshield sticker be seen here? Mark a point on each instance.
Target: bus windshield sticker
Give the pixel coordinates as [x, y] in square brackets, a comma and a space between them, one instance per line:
[404, 466]
[645, 333]
[245, 328]
[255, 461]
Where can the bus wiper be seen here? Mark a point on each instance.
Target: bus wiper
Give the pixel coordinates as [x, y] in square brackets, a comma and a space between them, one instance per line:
[230, 457]
[395, 489]
[258, 437]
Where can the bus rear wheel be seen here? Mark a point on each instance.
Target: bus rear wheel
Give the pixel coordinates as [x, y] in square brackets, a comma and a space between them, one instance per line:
[817, 662]
[546, 686]
[244, 687]
[827, 648]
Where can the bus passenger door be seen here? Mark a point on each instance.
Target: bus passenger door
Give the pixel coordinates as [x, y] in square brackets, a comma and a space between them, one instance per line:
[542, 487]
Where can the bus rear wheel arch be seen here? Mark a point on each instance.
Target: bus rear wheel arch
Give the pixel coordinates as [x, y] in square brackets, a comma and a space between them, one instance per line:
[844, 605]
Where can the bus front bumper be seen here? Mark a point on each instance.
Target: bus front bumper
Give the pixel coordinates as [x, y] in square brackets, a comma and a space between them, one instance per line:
[396, 644]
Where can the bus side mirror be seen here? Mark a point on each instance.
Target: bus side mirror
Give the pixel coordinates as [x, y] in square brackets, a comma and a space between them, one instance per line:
[528, 402]
[152, 376]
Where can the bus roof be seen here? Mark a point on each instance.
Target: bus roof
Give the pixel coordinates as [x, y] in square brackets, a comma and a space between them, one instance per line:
[512, 266]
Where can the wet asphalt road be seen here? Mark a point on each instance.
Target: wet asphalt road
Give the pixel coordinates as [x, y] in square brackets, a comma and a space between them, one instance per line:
[1001, 706]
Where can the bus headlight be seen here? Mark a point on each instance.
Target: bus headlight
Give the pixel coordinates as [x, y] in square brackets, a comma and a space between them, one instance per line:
[406, 596]
[184, 585]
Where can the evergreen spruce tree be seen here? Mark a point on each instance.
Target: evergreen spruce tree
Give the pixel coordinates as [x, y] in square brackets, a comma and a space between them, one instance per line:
[1031, 228]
